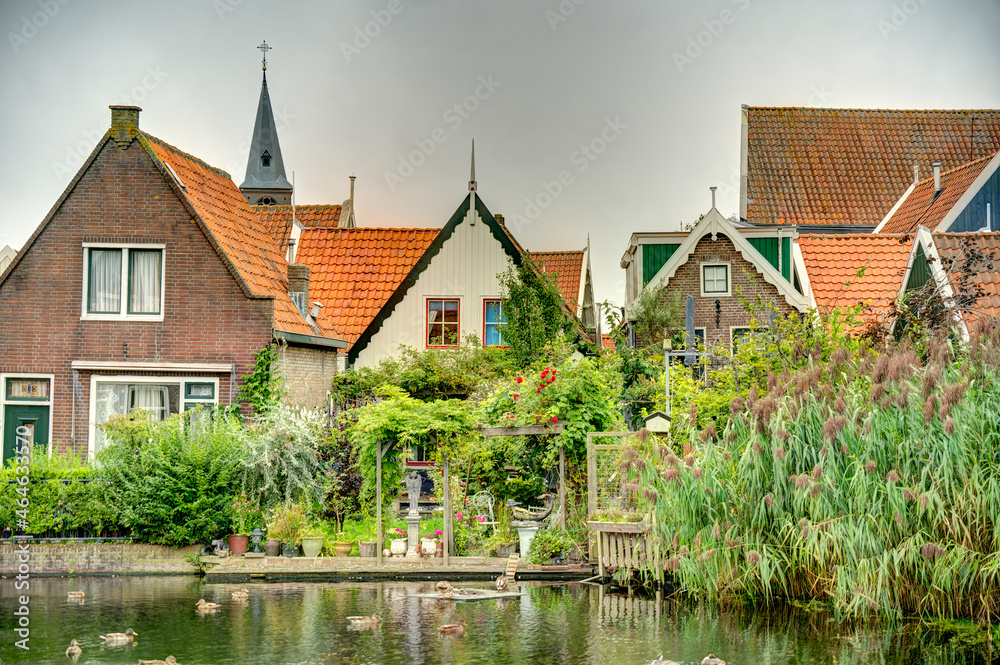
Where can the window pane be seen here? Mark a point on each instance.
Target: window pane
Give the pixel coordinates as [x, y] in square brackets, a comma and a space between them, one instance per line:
[111, 400]
[716, 279]
[144, 281]
[493, 323]
[105, 295]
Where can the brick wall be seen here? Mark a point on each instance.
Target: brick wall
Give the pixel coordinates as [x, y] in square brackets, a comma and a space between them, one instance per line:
[746, 284]
[99, 558]
[207, 318]
[307, 373]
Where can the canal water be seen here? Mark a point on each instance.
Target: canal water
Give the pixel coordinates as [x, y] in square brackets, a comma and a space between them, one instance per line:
[304, 623]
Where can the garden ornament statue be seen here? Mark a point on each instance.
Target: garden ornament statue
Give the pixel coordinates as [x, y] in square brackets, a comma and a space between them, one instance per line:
[413, 483]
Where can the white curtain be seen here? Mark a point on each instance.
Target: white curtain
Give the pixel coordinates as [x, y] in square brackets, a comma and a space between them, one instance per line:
[105, 280]
[112, 400]
[151, 399]
[144, 287]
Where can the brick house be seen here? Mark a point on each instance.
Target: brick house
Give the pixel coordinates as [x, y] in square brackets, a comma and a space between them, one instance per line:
[720, 264]
[151, 284]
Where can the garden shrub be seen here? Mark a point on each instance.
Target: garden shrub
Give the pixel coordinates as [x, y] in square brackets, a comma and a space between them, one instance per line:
[172, 488]
[65, 496]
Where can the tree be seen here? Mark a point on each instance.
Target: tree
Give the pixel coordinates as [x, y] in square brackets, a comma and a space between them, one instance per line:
[534, 311]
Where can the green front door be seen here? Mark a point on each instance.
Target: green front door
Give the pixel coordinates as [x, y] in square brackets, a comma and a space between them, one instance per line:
[34, 418]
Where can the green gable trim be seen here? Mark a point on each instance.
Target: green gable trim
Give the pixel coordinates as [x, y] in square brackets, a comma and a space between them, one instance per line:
[457, 218]
[768, 248]
[653, 258]
[920, 272]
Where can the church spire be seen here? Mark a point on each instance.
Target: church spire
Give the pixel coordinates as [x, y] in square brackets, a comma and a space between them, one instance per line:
[265, 182]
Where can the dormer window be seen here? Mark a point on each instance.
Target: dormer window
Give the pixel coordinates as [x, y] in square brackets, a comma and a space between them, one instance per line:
[265, 159]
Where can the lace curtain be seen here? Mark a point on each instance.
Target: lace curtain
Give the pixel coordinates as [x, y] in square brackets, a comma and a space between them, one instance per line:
[144, 285]
[105, 280]
[112, 400]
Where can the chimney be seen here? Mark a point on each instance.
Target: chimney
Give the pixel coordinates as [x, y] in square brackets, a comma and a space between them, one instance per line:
[499, 219]
[713, 195]
[936, 166]
[291, 252]
[317, 305]
[124, 124]
[916, 174]
[298, 286]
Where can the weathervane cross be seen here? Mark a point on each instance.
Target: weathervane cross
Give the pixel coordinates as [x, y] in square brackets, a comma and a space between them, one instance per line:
[264, 48]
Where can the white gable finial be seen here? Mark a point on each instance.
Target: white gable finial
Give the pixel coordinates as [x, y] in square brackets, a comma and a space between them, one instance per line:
[713, 195]
[472, 175]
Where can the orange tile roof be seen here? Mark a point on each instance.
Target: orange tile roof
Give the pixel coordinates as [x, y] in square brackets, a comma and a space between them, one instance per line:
[923, 209]
[849, 269]
[237, 234]
[353, 272]
[566, 269]
[978, 294]
[278, 219]
[850, 166]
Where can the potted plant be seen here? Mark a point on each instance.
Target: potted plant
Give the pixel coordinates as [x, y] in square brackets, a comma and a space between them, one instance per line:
[312, 541]
[246, 518]
[503, 540]
[286, 524]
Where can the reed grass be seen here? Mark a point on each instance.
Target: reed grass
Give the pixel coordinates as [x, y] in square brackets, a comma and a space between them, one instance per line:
[869, 481]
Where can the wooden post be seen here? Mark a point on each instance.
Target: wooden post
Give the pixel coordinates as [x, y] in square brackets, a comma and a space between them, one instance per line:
[562, 487]
[447, 516]
[379, 540]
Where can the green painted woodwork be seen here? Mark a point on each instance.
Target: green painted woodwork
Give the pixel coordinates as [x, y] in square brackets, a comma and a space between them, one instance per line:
[653, 258]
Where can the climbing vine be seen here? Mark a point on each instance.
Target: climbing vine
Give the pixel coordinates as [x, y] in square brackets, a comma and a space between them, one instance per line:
[262, 387]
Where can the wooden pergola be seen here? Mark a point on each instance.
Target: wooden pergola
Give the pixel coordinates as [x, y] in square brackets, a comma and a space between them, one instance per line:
[537, 430]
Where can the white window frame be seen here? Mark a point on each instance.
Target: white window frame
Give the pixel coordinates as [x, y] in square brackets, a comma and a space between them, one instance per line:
[122, 314]
[50, 402]
[129, 378]
[732, 338]
[729, 280]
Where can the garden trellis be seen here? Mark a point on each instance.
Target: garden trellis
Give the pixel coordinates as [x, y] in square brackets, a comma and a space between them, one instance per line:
[536, 430]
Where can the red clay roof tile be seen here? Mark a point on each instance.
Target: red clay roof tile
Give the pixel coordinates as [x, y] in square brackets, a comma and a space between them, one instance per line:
[236, 232]
[922, 208]
[566, 269]
[850, 166]
[350, 272]
[855, 269]
[278, 219]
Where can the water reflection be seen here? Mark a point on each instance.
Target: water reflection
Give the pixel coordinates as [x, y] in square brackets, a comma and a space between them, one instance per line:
[305, 623]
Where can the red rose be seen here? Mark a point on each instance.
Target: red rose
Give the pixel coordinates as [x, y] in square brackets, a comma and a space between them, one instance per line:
[555, 419]
[519, 379]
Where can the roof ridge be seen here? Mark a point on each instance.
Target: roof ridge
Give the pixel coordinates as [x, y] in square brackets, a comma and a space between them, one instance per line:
[873, 110]
[853, 235]
[300, 206]
[966, 165]
[966, 233]
[196, 160]
[401, 229]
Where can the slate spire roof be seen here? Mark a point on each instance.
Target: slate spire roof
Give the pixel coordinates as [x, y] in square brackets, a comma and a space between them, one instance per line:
[265, 168]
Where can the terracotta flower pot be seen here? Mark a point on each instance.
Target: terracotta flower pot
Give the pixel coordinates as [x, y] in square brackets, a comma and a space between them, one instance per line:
[238, 545]
[343, 549]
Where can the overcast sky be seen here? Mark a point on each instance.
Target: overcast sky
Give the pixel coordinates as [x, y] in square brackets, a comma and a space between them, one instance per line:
[636, 104]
